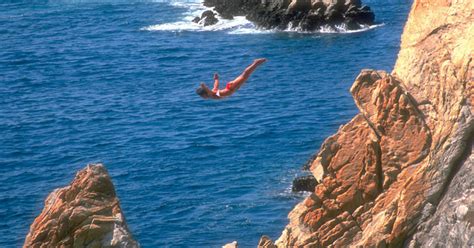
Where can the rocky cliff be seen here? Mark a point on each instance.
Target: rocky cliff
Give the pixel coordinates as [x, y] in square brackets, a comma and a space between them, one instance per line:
[401, 171]
[86, 213]
[307, 15]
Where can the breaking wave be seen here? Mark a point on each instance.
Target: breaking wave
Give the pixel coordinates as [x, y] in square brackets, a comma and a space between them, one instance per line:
[238, 23]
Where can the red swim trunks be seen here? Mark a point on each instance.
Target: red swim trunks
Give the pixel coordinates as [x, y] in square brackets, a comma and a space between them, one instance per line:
[229, 86]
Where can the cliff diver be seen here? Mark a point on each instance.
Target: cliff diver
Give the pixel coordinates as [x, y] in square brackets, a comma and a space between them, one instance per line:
[231, 86]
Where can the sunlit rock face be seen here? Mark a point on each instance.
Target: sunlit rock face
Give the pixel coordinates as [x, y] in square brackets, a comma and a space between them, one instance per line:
[86, 213]
[400, 172]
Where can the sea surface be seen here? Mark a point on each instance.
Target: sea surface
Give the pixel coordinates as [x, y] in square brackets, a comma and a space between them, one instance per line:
[113, 82]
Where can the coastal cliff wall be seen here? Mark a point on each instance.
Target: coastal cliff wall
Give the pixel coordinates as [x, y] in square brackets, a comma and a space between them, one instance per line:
[86, 213]
[400, 172]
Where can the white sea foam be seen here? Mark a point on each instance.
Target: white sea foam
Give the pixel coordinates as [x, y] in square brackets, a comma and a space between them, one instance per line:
[187, 25]
[193, 10]
[342, 29]
[239, 25]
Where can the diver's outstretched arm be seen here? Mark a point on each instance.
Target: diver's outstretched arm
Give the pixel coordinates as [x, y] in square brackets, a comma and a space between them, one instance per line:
[216, 82]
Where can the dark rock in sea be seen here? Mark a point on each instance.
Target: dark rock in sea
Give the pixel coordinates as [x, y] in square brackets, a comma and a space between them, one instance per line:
[86, 213]
[229, 8]
[208, 18]
[359, 15]
[333, 15]
[196, 19]
[306, 15]
[304, 183]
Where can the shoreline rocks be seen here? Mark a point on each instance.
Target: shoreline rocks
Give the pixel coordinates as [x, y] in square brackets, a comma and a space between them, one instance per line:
[86, 213]
[400, 172]
[305, 15]
[207, 18]
[304, 183]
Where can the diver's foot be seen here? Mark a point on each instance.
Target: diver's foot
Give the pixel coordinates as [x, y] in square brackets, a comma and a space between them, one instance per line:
[260, 61]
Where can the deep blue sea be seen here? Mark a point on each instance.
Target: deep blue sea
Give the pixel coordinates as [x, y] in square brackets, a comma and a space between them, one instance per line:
[113, 82]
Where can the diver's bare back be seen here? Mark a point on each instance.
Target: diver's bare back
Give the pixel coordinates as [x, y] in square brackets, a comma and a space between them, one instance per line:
[232, 86]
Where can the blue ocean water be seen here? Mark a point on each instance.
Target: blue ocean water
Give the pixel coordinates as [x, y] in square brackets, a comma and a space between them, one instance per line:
[113, 82]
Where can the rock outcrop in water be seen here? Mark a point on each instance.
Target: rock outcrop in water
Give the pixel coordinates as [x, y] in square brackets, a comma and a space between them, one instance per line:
[401, 171]
[304, 184]
[306, 15]
[86, 213]
[207, 18]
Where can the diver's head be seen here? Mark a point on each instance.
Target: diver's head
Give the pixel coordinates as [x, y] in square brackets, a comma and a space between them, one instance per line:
[201, 91]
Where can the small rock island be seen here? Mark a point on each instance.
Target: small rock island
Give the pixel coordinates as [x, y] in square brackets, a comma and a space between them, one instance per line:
[303, 15]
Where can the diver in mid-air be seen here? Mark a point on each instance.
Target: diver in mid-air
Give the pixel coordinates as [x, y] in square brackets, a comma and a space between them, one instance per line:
[231, 86]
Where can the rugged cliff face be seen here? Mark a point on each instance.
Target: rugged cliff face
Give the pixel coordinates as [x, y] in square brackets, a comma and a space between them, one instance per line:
[85, 214]
[307, 15]
[400, 172]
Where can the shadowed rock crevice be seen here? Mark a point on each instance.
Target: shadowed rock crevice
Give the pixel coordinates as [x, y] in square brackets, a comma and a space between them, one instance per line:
[464, 149]
[304, 184]
[265, 242]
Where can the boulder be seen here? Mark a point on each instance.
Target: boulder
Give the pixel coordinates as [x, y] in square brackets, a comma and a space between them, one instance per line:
[197, 19]
[337, 5]
[299, 6]
[86, 213]
[208, 18]
[266, 242]
[361, 15]
[354, 3]
[229, 8]
[304, 183]
[333, 15]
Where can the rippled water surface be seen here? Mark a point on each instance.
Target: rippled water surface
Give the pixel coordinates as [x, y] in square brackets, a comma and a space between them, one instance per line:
[93, 81]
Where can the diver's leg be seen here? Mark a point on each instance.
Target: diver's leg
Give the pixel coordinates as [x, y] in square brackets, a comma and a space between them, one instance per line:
[237, 82]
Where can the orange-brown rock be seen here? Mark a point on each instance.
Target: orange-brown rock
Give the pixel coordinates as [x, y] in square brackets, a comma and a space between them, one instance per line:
[265, 242]
[233, 244]
[382, 175]
[85, 214]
